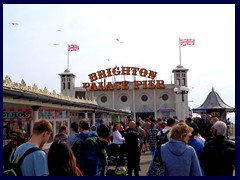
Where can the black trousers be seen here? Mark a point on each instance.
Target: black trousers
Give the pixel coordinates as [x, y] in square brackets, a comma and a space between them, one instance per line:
[133, 164]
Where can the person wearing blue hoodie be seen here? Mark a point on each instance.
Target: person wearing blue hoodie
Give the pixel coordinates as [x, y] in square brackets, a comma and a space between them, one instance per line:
[180, 158]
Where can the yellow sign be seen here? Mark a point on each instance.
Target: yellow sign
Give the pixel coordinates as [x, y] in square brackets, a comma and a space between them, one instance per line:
[123, 85]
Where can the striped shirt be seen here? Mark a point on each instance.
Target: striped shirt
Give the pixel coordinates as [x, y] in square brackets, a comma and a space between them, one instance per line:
[152, 137]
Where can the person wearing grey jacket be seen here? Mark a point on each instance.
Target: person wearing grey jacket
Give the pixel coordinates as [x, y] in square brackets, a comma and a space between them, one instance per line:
[180, 158]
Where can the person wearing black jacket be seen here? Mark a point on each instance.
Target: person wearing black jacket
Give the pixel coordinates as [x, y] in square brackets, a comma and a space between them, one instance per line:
[132, 142]
[218, 156]
[103, 132]
[201, 123]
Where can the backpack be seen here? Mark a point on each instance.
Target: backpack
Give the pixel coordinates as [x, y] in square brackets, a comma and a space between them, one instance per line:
[89, 155]
[158, 126]
[162, 137]
[14, 168]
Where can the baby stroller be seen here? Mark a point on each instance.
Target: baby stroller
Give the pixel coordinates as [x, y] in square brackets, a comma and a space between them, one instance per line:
[117, 160]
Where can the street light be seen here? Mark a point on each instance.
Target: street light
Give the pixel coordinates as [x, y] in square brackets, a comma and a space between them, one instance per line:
[182, 90]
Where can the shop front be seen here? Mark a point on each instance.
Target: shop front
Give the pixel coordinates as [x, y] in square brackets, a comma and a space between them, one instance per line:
[56, 117]
[16, 119]
[23, 105]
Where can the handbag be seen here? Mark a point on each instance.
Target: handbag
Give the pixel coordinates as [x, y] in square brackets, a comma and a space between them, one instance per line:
[157, 167]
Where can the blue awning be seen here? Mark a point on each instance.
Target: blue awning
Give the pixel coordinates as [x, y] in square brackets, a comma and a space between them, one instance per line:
[165, 110]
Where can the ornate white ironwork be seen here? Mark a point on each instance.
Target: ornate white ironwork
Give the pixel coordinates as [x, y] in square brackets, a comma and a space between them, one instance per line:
[7, 83]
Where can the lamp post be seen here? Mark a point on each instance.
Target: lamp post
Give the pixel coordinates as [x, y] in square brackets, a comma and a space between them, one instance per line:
[182, 90]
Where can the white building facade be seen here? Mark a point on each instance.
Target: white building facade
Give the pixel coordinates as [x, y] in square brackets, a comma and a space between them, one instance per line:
[145, 98]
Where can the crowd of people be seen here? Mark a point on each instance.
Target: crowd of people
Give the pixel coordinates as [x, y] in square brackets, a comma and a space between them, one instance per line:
[189, 147]
[196, 147]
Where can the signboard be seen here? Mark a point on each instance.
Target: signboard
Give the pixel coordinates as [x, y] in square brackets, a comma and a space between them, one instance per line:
[199, 111]
[17, 114]
[51, 114]
[166, 114]
[16, 119]
[93, 85]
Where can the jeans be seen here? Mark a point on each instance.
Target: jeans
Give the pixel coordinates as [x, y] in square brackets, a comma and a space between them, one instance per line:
[153, 150]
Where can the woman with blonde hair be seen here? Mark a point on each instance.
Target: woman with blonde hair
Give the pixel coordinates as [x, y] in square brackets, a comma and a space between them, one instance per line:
[180, 158]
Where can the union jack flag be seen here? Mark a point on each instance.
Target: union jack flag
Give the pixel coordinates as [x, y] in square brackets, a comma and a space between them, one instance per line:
[73, 47]
[186, 42]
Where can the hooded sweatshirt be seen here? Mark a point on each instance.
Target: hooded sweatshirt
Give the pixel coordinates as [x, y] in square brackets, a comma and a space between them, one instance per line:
[180, 159]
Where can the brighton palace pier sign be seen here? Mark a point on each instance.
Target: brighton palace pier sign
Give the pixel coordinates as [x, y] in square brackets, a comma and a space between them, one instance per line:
[123, 85]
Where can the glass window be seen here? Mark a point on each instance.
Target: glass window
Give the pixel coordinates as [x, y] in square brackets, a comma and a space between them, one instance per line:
[165, 97]
[22, 125]
[124, 98]
[69, 85]
[144, 98]
[178, 82]
[65, 123]
[184, 82]
[16, 119]
[58, 125]
[103, 99]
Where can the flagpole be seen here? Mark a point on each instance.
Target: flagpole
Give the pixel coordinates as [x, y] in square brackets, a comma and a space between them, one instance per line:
[180, 52]
[67, 58]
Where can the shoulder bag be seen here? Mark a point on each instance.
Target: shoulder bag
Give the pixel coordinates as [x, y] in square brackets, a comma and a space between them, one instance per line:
[157, 167]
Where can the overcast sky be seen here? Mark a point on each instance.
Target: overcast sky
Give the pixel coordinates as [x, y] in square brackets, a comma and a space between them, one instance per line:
[151, 40]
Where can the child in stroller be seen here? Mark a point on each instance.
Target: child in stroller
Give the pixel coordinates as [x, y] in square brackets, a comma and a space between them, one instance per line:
[117, 160]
